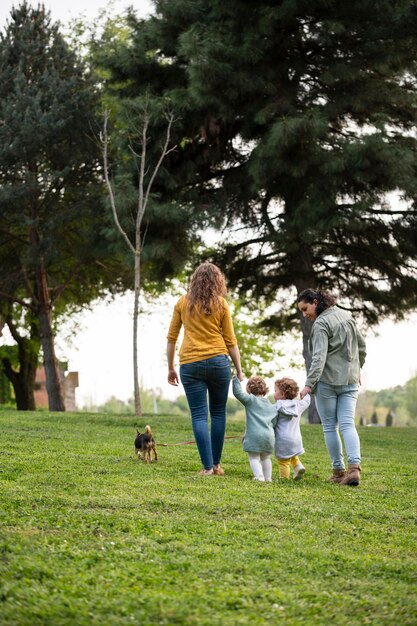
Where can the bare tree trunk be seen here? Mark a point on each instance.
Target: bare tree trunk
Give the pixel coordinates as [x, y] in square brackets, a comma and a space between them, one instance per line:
[23, 384]
[53, 381]
[144, 190]
[138, 407]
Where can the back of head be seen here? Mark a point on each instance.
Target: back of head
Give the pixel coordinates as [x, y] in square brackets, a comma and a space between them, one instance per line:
[324, 298]
[257, 386]
[207, 287]
[288, 387]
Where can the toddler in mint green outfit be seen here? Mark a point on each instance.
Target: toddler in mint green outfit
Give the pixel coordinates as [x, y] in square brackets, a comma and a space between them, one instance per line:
[259, 437]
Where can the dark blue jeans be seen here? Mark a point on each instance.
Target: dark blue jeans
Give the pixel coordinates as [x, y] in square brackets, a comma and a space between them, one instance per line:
[210, 376]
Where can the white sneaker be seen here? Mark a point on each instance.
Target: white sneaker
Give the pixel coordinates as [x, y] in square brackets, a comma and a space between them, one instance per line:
[299, 471]
[260, 478]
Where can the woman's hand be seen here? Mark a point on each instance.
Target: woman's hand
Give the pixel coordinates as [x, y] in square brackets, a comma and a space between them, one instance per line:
[173, 377]
[304, 392]
[235, 356]
[172, 372]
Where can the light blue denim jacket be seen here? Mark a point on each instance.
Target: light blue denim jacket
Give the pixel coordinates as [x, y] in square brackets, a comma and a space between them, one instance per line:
[337, 349]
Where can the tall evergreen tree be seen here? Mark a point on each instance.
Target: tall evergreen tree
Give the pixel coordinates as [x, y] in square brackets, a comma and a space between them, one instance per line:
[58, 241]
[299, 132]
[51, 189]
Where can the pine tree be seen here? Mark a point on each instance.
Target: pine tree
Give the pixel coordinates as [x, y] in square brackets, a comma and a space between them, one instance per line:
[298, 137]
[50, 191]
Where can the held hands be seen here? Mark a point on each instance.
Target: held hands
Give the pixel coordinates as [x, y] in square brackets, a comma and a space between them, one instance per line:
[304, 392]
[173, 377]
[240, 375]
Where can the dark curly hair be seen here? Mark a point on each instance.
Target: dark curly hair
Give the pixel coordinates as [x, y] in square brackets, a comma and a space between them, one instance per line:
[207, 287]
[324, 298]
[257, 386]
[288, 387]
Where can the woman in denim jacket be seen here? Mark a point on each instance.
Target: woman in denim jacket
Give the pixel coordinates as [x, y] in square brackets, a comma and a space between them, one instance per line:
[338, 352]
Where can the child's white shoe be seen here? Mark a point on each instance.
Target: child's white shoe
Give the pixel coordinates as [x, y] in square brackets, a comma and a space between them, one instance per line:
[299, 471]
[260, 478]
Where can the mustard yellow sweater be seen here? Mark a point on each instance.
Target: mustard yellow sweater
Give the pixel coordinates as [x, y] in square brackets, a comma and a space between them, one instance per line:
[205, 336]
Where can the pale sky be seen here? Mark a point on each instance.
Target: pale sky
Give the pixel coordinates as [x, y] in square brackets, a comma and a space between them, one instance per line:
[102, 352]
[65, 11]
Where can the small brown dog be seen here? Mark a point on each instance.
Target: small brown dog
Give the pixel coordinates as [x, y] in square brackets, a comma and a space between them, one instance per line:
[144, 444]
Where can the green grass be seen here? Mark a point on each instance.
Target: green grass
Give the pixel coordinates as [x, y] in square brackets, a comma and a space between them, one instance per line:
[92, 536]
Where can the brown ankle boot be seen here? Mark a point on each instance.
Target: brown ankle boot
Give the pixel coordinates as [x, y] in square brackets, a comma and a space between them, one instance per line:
[352, 477]
[337, 476]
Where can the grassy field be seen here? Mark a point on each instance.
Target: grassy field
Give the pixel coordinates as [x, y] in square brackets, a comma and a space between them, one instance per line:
[90, 535]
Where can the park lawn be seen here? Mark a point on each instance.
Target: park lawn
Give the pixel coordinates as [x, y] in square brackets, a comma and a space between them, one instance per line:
[90, 535]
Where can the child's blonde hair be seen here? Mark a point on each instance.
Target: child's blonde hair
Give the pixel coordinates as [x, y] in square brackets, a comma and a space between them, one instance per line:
[257, 386]
[288, 387]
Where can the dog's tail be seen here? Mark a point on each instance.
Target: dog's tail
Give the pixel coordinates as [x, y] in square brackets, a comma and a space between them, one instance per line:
[148, 430]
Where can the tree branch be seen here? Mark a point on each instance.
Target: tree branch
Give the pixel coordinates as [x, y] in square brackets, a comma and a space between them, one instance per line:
[105, 141]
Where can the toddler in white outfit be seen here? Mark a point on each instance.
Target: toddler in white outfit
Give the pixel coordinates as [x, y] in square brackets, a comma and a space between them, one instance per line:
[288, 440]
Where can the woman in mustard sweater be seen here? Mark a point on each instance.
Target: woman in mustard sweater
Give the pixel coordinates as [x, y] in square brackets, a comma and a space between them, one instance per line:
[204, 364]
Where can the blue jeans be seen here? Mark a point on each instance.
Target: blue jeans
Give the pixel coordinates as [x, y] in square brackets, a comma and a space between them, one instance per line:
[212, 376]
[336, 406]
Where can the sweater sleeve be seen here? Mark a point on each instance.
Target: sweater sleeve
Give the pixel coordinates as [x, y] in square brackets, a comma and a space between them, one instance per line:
[175, 325]
[238, 392]
[304, 403]
[227, 327]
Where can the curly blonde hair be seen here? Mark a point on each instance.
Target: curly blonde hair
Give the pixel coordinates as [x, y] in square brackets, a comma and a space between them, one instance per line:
[207, 287]
[257, 386]
[288, 387]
